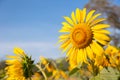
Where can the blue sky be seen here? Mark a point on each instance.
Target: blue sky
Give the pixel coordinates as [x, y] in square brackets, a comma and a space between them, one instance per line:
[33, 25]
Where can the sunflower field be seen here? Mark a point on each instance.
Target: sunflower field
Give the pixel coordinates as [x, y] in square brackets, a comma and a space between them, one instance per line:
[90, 49]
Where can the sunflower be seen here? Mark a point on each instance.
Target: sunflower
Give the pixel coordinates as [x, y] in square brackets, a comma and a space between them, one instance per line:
[48, 64]
[113, 54]
[59, 74]
[83, 36]
[51, 67]
[19, 66]
[111, 50]
[37, 76]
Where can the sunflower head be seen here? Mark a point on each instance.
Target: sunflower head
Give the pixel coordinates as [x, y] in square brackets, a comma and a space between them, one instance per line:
[83, 36]
[43, 60]
[111, 50]
[19, 66]
[113, 54]
[50, 66]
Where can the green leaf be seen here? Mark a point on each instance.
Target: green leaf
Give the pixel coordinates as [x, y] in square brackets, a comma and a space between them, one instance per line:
[73, 71]
[111, 75]
[96, 78]
[48, 74]
[107, 74]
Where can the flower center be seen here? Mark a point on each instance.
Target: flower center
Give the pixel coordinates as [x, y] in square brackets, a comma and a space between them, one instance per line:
[81, 35]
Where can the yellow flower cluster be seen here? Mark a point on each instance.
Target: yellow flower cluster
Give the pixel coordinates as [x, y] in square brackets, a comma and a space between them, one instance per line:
[96, 65]
[36, 76]
[48, 65]
[113, 54]
[111, 58]
[56, 73]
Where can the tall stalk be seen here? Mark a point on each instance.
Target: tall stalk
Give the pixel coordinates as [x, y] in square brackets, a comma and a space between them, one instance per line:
[42, 71]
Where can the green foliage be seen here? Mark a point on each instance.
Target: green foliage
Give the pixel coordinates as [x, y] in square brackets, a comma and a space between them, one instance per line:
[2, 74]
[73, 71]
[112, 74]
[27, 66]
[62, 64]
[2, 67]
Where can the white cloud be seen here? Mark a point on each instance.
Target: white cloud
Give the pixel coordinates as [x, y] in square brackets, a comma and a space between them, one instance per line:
[36, 49]
[26, 44]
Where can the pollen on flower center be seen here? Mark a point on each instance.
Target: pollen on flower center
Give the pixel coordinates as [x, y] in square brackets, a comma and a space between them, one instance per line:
[81, 35]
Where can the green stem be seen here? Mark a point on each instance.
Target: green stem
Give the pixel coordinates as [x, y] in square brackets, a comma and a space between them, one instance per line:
[42, 71]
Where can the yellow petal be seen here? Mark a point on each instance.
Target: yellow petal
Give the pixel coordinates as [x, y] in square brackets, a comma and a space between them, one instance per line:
[89, 53]
[66, 27]
[78, 14]
[61, 40]
[73, 17]
[100, 26]
[94, 49]
[83, 14]
[43, 60]
[74, 56]
[102, 42]
[101, 36]
[69, 20]
[92, 18]
[69, 27]
[65, 44]
[63, 74]
[69, 51]
[11, 61]
[66, 24]
[66, 48]
[89, 15]
[64, 30]
[100, 49]
[85, 55]
[80, 57]
[101, 31]
[19, 51]
[14, 57]
[64, 36]
[97, 21]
